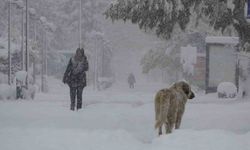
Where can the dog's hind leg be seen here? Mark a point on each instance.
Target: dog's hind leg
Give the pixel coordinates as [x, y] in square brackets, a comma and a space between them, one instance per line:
[160, 130]
[167, 128]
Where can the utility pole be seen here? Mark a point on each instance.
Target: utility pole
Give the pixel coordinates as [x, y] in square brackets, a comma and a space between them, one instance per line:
[80, 26]
[26, 46]
[9, 40]
[96, 86]
[22, 39]
[42, 71]
[44, 63]
[34, 61]
[45, 55]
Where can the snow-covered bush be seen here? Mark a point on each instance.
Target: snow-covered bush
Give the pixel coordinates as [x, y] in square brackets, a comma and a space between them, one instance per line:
[29, 93]
[226, 90]
[105, 82]
[3, 78]
[7, 91]
[21, 76]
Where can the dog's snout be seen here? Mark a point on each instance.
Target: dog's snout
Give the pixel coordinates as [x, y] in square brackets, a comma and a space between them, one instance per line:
[192, 95]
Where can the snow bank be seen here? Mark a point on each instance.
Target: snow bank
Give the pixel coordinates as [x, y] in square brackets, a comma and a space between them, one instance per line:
[227, 90]
[7, 91]
[111, 122]
[54, 139]
[202, 140]
[41, 139]
[3, 78]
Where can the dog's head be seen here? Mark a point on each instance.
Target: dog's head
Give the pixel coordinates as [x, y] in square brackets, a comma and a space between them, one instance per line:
[186, 88]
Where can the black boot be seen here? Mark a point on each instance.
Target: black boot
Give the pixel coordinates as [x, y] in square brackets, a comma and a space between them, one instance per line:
[79, 97]
[79, 106]
[72, 107]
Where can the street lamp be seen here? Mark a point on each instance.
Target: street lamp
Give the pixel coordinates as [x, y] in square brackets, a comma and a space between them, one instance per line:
[47, 27]
[43, 21]
[80, 26]
[26, 45]
[9, 32]
[34, 17]
[20, 5]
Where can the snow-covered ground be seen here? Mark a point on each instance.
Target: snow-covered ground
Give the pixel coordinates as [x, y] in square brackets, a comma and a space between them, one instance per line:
[120, 119]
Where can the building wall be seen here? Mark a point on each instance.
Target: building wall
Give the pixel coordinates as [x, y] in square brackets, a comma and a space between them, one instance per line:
[199, 72]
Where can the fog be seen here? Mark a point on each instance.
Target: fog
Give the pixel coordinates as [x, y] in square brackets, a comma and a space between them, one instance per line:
[129, 46]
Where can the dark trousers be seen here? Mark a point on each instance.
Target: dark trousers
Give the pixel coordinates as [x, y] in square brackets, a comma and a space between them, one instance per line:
[76, 92]
[131, 85]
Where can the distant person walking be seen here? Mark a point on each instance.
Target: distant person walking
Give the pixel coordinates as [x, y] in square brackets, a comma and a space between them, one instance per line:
[131, 80]
[75, 77]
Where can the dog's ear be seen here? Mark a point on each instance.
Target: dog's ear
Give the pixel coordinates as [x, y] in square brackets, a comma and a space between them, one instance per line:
[174, 86]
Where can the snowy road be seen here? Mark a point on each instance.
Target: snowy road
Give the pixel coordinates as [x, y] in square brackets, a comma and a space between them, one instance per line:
[119, 119]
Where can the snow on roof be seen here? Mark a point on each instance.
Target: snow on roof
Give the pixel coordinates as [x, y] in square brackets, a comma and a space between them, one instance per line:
[222, 39]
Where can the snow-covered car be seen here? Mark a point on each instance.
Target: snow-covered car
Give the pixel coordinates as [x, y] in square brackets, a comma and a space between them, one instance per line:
[226, 90]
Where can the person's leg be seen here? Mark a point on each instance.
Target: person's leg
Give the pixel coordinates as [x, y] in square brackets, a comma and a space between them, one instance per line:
[72, 97]
[79, 97]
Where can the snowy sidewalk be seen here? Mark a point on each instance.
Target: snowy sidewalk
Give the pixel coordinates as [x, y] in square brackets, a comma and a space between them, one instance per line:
[120, 119]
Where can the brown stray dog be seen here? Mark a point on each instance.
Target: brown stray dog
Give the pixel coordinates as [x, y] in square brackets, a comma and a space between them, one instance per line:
[170, 106]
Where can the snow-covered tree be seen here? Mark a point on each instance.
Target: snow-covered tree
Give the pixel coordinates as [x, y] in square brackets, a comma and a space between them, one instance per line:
[163, 16]
[100, 56]
[165, 59]
[67, 14]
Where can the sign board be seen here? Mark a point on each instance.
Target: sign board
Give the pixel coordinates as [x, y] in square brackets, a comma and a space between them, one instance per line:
[248, 9]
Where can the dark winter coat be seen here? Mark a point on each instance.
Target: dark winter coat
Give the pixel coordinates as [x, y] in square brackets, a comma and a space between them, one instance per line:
[75, 75]
[131, 79]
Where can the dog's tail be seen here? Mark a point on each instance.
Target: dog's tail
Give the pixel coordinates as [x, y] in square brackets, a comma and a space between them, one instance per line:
[162, 108]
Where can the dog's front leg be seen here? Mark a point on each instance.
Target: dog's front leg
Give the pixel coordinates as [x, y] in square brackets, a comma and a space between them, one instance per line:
[178, 120]
[169, 126]
[160, 131]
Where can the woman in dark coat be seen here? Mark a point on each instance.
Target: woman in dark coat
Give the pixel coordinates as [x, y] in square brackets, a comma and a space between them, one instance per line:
[75, 77]
[131, 80]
